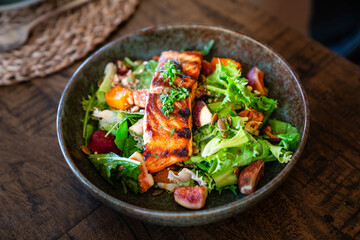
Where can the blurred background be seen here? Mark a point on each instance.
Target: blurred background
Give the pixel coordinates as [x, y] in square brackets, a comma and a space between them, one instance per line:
[333, 23]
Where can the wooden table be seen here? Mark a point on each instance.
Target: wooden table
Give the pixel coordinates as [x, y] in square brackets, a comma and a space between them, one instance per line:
[40, 198]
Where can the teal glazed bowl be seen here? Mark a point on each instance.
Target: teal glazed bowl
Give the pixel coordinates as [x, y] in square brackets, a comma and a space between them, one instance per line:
[282, 82]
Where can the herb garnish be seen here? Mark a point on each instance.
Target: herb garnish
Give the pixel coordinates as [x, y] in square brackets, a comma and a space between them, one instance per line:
[168, 99]
[155, 155]
[170, 72]
[172, 131]
[161, 126]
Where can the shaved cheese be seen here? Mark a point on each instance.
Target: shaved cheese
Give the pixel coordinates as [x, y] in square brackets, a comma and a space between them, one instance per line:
[186, 175]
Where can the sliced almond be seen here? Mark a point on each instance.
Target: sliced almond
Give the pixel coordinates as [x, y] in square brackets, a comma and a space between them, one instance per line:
[85, 149]
[157, 192]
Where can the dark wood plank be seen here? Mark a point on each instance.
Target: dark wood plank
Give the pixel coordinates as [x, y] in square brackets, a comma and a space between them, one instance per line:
[38, 191]
[41, 199]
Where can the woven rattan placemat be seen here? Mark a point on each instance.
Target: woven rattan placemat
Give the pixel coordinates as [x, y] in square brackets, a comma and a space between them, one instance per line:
[61, 40]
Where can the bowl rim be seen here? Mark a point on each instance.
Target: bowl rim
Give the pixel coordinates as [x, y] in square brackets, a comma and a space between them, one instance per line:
[229, 207]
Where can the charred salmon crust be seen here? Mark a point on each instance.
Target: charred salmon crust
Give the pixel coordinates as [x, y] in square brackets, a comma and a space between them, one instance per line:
[168, 140]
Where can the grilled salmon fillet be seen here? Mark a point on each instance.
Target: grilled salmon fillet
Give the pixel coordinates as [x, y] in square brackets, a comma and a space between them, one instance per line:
[168, 140]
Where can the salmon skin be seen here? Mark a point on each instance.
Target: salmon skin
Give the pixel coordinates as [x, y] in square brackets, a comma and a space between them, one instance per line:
[168, 140]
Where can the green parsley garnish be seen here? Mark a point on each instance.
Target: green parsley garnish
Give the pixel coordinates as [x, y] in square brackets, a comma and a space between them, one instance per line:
[172, 118]
[168, 99]
[161, 126]
[170, 72]
[172, 131]
[155, 155]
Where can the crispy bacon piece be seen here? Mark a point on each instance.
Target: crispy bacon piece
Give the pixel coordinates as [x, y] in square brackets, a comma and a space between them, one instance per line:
[169, 139]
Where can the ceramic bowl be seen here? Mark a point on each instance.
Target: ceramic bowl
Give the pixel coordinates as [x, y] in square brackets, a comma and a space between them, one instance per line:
[281, 81]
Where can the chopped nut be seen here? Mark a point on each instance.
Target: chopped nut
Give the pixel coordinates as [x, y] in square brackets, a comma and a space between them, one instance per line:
[200, 92]
[138, 62]
[190, 166]
[208, 93]
[257, 92]
[121, 168]
[216, 100]
[130, 77]
[85, 149]
[180, 164]
[210, 100]
[173, 167]
[203, 78]
[196, 150]
[221, 124]
[214, 119]
[250, 88]
[115, 81]
[125, 82]
[135, 109]
[157, 192]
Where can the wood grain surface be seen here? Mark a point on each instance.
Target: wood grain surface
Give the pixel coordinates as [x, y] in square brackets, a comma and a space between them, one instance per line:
[40, 198]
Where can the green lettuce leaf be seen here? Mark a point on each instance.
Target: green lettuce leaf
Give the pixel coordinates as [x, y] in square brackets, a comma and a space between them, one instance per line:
[264, 105]
[227, 81]
[218, 143]
[207, 47]
[108, 165]
[121, 135]
[286, 132]
[280, 153]
[105, 86]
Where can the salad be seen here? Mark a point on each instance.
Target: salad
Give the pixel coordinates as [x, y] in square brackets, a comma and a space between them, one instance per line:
[181, 124]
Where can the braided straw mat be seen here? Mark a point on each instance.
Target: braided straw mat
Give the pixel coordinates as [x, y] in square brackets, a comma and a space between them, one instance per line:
[59, 41]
